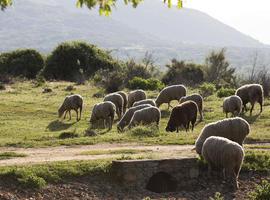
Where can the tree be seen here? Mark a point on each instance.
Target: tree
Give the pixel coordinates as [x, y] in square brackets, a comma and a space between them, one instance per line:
[218, 70]
[105, 6]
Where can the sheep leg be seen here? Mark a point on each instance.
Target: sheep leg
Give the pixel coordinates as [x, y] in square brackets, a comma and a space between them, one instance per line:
[209, 173]
[260, 102]
[69, 115]
[177, 129]
[226, 115]
[65, 114]
[77, 115]
[252, 106]
[201, 115]
[245, 107]
[80, 113]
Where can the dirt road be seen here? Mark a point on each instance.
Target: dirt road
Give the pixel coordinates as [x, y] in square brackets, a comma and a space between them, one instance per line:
[65, 153]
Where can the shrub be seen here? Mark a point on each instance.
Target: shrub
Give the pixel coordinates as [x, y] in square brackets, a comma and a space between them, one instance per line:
[207, 89]
[32, 181]
[72, 61]
[225, 92]
[145, 84]
[26, 63]
[262, 191]
[186, 73]
[133, 69]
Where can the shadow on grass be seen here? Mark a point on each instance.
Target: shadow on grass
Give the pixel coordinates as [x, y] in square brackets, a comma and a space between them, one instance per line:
[256, 141]
[57, 125]
[250, 119]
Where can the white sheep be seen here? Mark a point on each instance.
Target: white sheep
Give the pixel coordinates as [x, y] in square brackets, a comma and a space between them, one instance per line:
[197, 99]
[118, 102]
[104, 111]
[250, 93]
[224, 154]
[72, 102]
[232, 104]
[235, 129]
[145, 116]
[145, 101]
[134, 96]
[170, 93]
[125, 120]
[125, 98]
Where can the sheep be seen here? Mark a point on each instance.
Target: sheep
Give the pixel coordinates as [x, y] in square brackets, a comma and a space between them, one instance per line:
[118, 101]
[182, 115]
[72, 102]
[125, 98]
[250, 93]
[232, 104]
[134, 96]
[224, 154]
[235, 129]
[104, 111]
[145, 101]
[145, 116]
[125, 120]
[170, 93]
[198, 99]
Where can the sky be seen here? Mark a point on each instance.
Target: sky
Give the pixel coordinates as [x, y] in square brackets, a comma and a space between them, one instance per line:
[251, 17]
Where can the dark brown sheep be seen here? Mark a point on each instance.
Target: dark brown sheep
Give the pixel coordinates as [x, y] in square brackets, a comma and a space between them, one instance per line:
[182, 115]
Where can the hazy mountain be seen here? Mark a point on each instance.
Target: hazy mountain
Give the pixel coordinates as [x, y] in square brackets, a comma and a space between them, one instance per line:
[185, 34]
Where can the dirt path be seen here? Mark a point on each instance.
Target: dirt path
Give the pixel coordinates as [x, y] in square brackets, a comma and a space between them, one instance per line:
[65, 153]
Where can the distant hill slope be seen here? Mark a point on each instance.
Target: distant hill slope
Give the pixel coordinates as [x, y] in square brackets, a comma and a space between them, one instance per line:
[185, 34]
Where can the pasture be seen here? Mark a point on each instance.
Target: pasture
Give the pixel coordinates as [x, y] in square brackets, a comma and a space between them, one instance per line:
[29, 118]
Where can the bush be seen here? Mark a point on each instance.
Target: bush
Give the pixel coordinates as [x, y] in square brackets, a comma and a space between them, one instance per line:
[32, 181]
[72, 61]
[26, 63]
[145, 84]
[225, 92]
[262, 191]
[186, 73]
[217, 196]
[207, 89]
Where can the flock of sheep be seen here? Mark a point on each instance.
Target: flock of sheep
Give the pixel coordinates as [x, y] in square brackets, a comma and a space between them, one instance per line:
[219, 143]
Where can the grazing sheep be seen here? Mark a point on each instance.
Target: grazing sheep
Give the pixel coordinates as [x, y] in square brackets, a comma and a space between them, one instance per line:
[232, 104]
[145, 101]
[118, 102]
[224, 154]
[250, 93]
[197, 99]
[235, 129]
[103, 111]
[125, 98]
[170, 93]
[182, 115]
[72, 102]
[145, 116]
[134, 96]
[128, 115]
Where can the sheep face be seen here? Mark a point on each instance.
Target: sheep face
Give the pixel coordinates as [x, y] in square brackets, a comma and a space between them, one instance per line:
[60, 112]
[170, 128]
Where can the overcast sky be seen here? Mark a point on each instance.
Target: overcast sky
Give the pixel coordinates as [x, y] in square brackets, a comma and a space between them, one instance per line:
[251, 17]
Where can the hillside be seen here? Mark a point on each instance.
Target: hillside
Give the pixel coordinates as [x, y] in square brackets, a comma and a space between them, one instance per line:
[184, 34]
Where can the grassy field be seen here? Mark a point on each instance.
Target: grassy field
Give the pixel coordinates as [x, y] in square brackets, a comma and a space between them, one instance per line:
[28, 118]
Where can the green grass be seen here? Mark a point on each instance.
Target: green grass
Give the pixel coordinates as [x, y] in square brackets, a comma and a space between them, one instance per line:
[9, 155]
[37, 176]
[116, 151]
[28, 118]
[258, 160]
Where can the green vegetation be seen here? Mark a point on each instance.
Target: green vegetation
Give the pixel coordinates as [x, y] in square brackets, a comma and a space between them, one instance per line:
[25, 63]
[217, 196]
[8, 155]
[225, 92]
[116, 151]
[37, 176]
[258, 160]
[145, 84]
[207, 89]
[29, 118]
[262, 191]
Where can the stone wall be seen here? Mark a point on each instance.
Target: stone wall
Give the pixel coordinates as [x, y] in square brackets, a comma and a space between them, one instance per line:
[138, 173]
